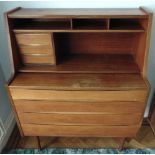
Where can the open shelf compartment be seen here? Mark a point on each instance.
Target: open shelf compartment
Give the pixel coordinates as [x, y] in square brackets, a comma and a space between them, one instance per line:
[91, 53]
[126, 24]
[79, 24]
[90, 24]
[42, 24]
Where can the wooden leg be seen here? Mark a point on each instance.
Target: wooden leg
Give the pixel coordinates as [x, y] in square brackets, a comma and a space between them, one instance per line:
[53, 139]
[38, 142]
[128, 139]
[152, 127]
[121, 144]
[42, 147]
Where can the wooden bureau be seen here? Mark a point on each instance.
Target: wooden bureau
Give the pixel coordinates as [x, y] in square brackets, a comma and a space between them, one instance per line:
[79, 72]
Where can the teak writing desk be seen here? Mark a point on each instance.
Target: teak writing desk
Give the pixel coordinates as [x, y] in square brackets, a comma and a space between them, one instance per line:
[79, 72]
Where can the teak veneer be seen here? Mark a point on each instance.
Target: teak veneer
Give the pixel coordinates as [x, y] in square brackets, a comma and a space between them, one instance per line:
[79, 72]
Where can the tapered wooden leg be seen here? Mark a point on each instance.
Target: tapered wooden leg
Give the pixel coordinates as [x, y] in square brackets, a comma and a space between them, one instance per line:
[121, 144]
[52, 140]
[38, 142]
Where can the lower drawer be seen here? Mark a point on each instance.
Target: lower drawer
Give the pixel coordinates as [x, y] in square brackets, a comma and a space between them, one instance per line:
[80, 131]
[79, 119]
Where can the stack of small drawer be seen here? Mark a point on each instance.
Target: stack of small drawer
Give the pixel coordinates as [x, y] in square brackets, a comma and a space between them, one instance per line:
[35, 48]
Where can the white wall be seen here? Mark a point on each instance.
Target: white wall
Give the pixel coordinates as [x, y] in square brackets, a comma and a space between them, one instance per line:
[6, 115]
[4, 52]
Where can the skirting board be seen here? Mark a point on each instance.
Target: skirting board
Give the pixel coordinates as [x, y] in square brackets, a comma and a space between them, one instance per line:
[8, 127]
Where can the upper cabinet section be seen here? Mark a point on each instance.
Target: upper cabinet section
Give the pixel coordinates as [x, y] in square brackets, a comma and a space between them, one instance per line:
[67, 40]
[78, 20]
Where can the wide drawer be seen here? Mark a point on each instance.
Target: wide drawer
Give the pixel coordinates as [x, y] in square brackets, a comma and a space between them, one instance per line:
[80, 131]
[32, 38]
[31, 94]
[79, 119]
[78, 107]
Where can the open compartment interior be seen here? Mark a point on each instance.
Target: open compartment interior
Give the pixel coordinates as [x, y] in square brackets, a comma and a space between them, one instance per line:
[42, 24]
[98, 52]
[126, 24]
[79, 24]
[90, 24]
[92, 53]
[95, 43]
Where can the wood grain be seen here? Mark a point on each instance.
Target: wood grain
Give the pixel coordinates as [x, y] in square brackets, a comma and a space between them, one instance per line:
[47, 106]
[79, 119]
[30, 94]
[15, 111]
[35, 50]
[79, 131]
[95, 43]
[78, 81]
[108, 48]
[33, 39]
[38, 59]
[38, 29]
[80, 63]
[78, 13]
[32, 48]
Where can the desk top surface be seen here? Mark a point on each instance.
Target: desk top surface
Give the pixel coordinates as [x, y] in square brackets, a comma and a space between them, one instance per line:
[77, 13]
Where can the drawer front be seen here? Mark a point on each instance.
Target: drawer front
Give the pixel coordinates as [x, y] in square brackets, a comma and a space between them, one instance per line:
[79, 119]
[39, 59]
[32, 38]
[30, 94]
[36, 50]
[79, 107]
[80, 131]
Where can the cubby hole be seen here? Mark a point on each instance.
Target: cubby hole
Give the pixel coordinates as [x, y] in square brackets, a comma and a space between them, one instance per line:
[42, 24]
[96, 52]
[126, 24]
[89, 24]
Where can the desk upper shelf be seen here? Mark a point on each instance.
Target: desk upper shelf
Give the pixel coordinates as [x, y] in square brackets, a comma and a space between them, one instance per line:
[78, 13]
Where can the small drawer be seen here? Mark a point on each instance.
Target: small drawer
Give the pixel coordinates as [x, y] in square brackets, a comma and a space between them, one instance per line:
[33, 39]
[79, 131]
[79, 119]
[36, 50]
[39, 59]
